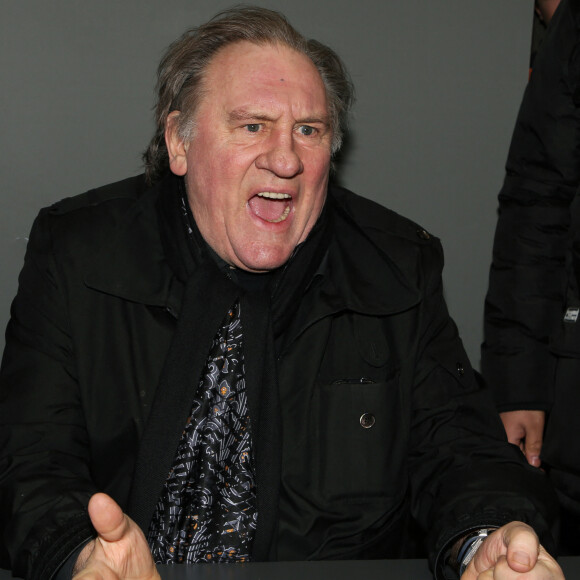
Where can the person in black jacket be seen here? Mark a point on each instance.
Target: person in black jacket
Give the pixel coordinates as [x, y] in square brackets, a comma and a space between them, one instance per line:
[531, 353]
[229, 359]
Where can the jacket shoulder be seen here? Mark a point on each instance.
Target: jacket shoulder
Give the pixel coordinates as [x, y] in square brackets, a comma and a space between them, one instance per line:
[81, 224]
[380, 224]
[92, 216]
[128, 189]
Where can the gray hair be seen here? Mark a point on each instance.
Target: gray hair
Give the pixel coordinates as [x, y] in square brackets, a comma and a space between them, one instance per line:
[180, 73]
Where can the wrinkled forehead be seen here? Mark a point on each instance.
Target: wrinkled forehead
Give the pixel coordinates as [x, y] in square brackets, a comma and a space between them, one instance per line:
[265, 72]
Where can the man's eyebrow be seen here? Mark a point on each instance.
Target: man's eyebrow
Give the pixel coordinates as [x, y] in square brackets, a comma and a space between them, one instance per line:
[323, 120]
[246, 115]
[238, 115]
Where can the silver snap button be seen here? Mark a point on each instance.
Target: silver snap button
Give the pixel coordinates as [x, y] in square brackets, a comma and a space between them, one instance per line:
[367, 420]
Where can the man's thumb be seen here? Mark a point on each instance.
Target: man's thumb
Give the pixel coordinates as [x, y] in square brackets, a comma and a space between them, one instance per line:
[107, 517]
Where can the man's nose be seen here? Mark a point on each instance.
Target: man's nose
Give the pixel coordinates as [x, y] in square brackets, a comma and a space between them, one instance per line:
[280, 157]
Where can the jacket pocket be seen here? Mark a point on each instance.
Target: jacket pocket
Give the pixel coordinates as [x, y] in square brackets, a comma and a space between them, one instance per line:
[360, 450]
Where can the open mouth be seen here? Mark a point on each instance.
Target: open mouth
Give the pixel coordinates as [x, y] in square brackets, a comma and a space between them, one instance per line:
[271, 206]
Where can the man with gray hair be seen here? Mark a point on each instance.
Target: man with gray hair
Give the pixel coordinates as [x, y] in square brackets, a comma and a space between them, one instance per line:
[229, 359]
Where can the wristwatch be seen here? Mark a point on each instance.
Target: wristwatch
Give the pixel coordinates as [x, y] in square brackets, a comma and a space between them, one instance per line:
[470, 546]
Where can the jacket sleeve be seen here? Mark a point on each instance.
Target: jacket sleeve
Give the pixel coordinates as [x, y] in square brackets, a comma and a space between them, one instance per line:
[528, 277]
[45, 481]
[463, 473]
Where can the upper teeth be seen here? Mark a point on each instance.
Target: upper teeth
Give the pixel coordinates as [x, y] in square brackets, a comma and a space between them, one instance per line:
[274, 195]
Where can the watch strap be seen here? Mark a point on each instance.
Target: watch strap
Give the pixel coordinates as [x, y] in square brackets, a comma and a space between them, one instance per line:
[469, 548]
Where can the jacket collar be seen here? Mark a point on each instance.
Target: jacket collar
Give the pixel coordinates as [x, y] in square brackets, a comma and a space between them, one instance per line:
[133, 263]
[357, 273]
[366, 275]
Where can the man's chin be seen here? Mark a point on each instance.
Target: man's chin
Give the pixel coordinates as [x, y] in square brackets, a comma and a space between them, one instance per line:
[263, 261]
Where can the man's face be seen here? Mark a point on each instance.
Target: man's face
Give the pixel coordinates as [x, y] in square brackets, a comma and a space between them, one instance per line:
[257, 166]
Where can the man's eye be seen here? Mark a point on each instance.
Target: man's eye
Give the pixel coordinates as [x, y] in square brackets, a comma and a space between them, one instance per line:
[307, 130]
[253, 127]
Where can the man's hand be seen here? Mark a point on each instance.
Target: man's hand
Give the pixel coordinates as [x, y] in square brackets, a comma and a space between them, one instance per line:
[512, 552]
[120, 549]
[526, 430]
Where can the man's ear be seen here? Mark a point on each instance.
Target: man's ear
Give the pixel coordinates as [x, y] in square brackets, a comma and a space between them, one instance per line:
[176, 148]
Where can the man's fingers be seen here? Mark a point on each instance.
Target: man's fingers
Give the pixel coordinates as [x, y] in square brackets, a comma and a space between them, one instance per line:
[107, 517]
[513, 547]
[513, 426]
[511, 551]
[532, 449]
[534, 436]
[522, 545]
[526, 430]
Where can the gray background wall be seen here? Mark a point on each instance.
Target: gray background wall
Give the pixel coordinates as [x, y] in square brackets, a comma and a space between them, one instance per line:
[438, 83]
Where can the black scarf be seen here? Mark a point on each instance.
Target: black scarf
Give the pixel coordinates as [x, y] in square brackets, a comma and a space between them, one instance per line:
[211, 287]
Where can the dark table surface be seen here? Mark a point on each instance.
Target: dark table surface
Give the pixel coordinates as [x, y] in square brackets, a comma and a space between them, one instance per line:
[337, 570]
